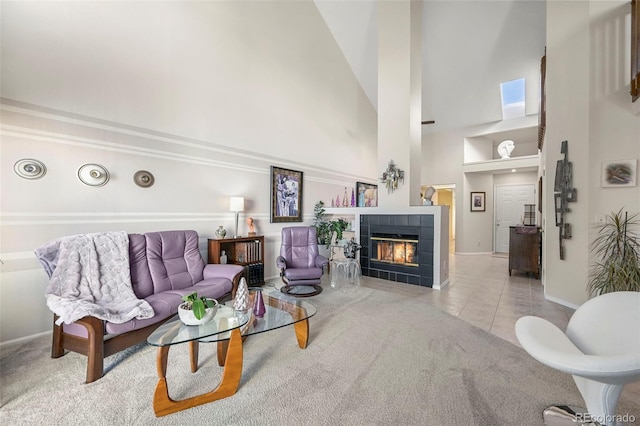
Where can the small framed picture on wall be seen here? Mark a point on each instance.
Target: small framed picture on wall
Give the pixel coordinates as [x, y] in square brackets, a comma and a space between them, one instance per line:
[478, 200]
[619, 173]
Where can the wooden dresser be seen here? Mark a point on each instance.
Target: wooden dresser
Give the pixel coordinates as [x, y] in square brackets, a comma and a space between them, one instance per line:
[524, 249]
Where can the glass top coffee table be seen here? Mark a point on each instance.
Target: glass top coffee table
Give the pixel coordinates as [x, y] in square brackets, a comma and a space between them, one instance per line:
[227, 323]
[228, 329]
[280, 311]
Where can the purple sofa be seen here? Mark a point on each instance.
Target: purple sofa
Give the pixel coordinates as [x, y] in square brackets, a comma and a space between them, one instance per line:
[164, 267]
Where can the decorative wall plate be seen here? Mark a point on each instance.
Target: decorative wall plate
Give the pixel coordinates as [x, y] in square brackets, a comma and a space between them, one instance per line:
[143, 178]
[93, 174]
[29, 168]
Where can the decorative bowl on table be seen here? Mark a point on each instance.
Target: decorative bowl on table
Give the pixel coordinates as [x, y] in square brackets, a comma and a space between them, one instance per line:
[187, 316]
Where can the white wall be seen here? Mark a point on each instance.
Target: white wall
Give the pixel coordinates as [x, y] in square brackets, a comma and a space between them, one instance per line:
[502, 41]
[496, 41]
[205, 95]
[443, 156]
[588, 104]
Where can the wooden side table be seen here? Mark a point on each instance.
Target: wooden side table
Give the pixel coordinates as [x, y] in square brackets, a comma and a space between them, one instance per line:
[245, 251]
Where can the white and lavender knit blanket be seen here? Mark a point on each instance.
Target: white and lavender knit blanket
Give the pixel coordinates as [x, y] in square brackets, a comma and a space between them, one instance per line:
[89, 276]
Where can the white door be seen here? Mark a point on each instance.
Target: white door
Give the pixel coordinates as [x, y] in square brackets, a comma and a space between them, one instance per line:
[509, 211]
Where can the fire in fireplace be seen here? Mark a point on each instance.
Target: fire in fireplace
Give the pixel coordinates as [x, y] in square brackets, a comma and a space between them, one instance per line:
[395, 250]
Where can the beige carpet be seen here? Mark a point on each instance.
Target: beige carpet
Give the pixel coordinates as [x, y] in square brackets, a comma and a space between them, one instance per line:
[374, 358]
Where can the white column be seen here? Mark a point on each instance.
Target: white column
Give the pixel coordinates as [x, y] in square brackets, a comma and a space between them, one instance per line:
[400, 97]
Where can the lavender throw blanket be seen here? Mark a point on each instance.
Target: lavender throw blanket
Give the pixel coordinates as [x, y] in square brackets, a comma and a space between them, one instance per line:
[89, 276]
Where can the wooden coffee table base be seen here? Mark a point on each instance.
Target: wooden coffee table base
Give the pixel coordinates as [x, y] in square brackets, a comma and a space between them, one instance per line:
[231, 374]
[302, 335]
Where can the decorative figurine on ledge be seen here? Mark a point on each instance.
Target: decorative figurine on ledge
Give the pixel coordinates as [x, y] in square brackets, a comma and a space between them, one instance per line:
[428, 194]
[251, 227]
[505, 148]
[350, 248]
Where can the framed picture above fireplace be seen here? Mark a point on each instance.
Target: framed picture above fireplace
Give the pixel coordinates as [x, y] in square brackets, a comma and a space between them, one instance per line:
[367, 194]
[478, 200]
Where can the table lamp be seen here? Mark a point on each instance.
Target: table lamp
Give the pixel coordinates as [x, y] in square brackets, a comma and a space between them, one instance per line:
[236, 204]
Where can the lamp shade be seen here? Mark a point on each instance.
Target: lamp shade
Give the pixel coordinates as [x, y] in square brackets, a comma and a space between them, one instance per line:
[236, 204]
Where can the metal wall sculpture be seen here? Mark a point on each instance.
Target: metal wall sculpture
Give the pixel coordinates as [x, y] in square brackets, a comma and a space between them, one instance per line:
[392, 176]
[564, 193]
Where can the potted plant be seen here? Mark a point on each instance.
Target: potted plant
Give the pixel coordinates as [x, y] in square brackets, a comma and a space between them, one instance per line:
[197, 310]
[326, 228]
[617, 247]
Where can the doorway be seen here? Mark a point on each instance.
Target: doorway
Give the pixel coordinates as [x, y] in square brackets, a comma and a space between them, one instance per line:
[509, 211]
[445, 195]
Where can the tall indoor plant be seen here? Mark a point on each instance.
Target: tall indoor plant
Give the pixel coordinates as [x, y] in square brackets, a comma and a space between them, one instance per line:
[617, 248]
[326, 228]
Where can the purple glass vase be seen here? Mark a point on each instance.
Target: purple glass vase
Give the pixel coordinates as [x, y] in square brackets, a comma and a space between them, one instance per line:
[258, 305]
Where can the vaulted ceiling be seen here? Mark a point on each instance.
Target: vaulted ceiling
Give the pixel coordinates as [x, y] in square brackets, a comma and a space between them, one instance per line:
[469, 48]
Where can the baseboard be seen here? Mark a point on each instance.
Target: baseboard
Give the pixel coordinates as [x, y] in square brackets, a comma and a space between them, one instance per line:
[24, 339]
[561, 302]
[442, 285]
[469, 253]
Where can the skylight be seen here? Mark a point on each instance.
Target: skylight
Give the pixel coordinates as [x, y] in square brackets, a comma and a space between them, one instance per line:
[512, 93]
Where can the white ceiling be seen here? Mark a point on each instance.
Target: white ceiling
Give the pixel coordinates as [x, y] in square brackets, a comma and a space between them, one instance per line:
[469, 48]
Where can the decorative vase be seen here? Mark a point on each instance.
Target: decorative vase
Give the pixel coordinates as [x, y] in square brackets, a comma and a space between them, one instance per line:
[223, 258]
[188, 318]
[220, 232]
[258, 304]
[241, 302]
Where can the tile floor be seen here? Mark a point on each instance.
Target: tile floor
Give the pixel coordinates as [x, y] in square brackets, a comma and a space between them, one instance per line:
[482, 293]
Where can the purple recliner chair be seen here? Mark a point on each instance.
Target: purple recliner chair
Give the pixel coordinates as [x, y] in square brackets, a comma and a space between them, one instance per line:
[301, 266]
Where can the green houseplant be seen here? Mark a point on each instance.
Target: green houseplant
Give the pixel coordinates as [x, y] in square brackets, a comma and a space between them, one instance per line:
[326, 228]
[195, 310]
[617, 247]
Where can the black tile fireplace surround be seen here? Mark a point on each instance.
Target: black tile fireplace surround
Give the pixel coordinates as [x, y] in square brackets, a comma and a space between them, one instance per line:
[400, 226]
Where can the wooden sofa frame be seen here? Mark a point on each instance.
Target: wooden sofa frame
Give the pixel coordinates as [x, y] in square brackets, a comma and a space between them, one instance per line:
[96, 346]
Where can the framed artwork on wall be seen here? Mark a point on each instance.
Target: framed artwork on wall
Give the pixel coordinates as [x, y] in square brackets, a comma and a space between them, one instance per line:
[366, 194]
[478, 200]
[540, 194]
[635, 50]
[619, 173]
[286, 195]
[542, 114]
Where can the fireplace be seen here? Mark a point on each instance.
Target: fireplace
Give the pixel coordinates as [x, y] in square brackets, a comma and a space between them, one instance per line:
[398, 247]
[394, 250]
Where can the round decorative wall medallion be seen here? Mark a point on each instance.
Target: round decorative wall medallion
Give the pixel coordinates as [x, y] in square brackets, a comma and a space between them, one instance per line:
[29, 168]
[143, 178]
[93, 175]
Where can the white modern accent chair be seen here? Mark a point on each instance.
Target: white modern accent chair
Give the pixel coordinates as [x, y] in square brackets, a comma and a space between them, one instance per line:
[600, 349]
